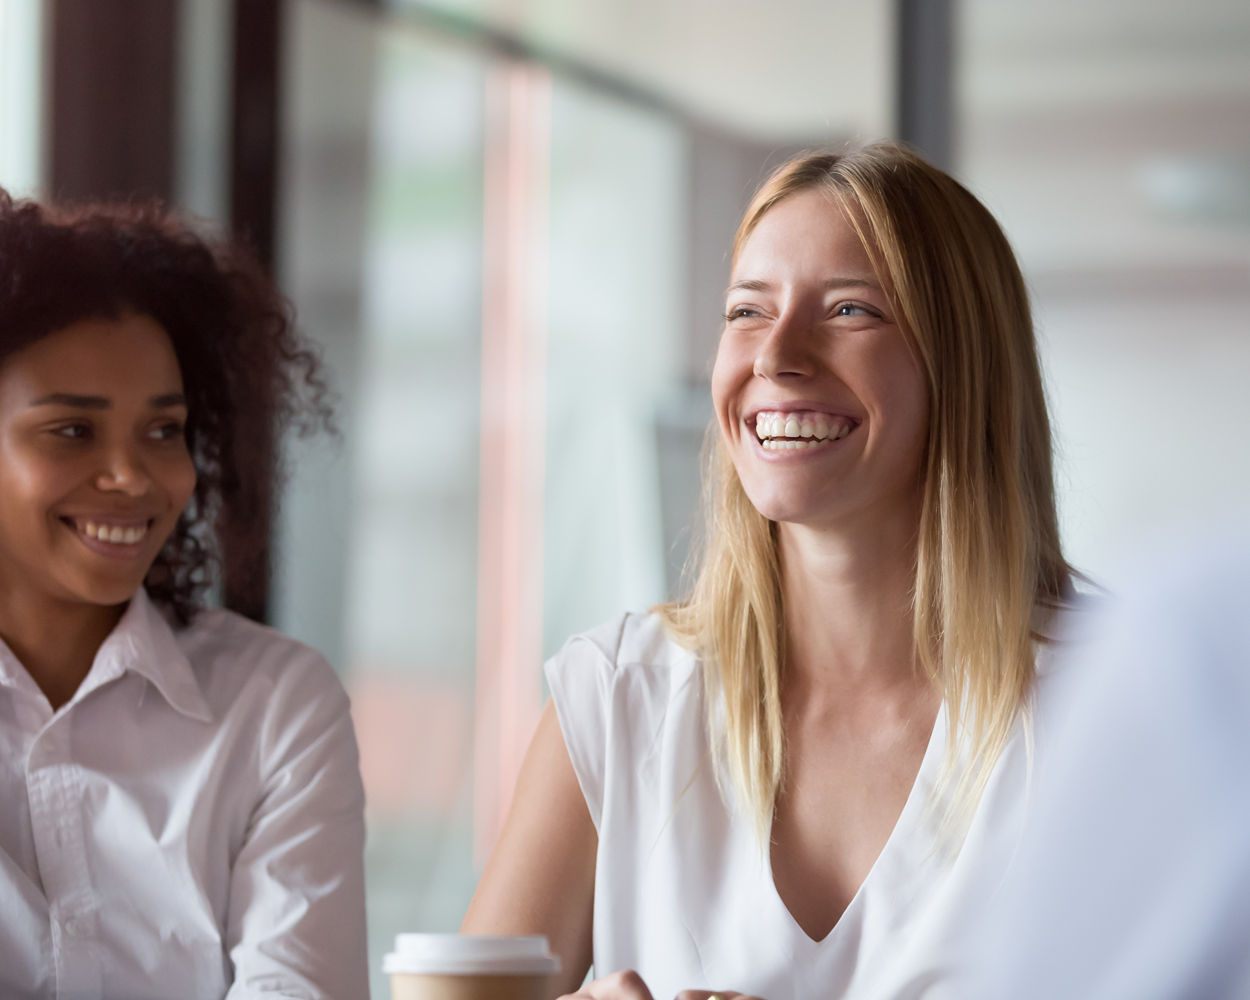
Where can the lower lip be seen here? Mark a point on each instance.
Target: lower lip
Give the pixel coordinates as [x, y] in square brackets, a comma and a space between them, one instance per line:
[111, 550]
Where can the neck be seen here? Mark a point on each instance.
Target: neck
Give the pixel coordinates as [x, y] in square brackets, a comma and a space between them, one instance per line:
[847, 603]
[56, 641]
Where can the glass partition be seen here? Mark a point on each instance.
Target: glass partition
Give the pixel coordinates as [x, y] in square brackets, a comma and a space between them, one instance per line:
[21, 96]
[615, 357]
[493, 264]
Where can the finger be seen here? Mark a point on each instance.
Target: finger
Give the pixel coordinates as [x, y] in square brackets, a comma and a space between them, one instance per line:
[627, 985]
[712, 995]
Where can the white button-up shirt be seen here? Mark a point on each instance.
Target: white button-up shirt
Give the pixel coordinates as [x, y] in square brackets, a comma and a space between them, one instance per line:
[189, 825]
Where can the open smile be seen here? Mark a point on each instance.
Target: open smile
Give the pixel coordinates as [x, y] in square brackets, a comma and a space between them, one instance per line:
[118, 537]
[802, 430]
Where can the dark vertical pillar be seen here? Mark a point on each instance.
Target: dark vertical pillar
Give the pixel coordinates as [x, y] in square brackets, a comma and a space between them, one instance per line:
[112, 99]
[926, 78]
[253, 219]
[254, 134]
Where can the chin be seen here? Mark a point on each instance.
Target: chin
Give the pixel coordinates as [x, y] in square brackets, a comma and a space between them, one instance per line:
[789, 509]
[103, 593]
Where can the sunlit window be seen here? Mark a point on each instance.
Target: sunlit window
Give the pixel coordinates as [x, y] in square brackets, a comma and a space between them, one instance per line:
[20, 95]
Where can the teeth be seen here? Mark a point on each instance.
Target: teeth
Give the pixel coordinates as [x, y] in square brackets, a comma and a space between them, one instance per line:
[117, 535]
[785, 444]
[774, 429]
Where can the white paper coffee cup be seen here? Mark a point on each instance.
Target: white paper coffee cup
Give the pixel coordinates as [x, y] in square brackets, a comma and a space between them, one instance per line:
[470, 967]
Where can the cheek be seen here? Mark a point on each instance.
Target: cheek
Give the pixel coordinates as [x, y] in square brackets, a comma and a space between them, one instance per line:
[32, 484]
[728, 375]
[906, 400]
[899, 385]
[914, 402]
[179, 482]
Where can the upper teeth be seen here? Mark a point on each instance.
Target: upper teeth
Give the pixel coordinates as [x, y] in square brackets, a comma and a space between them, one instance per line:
[801, 425]
[113, 533]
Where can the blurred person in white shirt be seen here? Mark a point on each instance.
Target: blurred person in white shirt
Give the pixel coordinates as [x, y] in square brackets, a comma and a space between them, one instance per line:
[183, 810]
[1133, 876]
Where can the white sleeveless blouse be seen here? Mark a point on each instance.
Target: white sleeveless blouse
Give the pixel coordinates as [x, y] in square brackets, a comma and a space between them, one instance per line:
[684, 894]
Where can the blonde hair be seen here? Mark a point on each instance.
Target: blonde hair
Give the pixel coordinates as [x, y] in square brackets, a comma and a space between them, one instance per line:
[988, 549]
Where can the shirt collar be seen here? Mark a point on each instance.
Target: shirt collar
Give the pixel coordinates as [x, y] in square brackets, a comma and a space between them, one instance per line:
[12, 673]
[144, 643]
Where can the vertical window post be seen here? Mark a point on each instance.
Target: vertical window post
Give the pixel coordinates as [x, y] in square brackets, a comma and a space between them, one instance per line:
[112, 78]
[926, 79]
[253, 221]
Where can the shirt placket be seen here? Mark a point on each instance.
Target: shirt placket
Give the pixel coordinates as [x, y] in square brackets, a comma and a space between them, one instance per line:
[55, 789]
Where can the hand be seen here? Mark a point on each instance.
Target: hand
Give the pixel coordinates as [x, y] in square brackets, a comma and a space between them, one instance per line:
[628, 985]
[706, 995]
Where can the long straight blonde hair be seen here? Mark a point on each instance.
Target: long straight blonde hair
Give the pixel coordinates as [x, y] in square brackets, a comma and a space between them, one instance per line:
[988, 549]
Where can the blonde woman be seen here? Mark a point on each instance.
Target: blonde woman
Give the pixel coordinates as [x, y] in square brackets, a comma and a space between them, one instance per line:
[807, 778]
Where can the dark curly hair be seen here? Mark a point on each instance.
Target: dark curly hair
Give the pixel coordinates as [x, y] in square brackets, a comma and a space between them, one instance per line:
[246, 372]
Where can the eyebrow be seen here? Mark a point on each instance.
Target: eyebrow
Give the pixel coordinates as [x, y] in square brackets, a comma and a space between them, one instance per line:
[749, 285]
[101, 403]
[755, 285]
[849, 282]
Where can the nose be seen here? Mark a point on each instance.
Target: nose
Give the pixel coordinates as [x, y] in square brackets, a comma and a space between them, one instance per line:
[786, 352]
[123, 472]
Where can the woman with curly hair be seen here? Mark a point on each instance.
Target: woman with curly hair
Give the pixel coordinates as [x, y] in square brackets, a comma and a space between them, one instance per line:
[183, 810]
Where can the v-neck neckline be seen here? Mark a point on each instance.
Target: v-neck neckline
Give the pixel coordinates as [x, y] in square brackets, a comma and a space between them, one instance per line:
[909, 814]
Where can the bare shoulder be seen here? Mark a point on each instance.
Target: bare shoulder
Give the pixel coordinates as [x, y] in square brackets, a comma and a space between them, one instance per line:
[540, 878]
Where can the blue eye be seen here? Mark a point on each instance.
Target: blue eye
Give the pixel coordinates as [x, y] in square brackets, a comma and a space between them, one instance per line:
[850, 309]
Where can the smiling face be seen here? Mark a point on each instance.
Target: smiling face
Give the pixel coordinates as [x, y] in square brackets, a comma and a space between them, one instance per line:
[94, 467]
[820, 398]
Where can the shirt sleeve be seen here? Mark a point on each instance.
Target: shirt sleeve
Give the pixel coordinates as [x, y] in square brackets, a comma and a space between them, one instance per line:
[580, 678]
[296, 924]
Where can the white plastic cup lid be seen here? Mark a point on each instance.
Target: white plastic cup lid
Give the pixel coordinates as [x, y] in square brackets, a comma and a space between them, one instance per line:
[470, 954]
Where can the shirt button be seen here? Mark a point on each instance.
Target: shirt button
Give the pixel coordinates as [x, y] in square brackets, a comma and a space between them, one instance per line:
[74, 927]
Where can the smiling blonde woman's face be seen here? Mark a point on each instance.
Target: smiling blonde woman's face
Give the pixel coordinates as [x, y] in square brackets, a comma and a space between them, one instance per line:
[820, 398]
[94, 466]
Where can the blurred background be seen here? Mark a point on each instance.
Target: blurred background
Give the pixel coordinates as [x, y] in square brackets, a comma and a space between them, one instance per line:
[506, 224]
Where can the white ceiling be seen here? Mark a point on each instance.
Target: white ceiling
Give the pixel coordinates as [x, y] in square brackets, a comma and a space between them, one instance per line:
[1028, 55]
[777, 71]
[1113, 135]
[794, 70]
[1105, 133]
